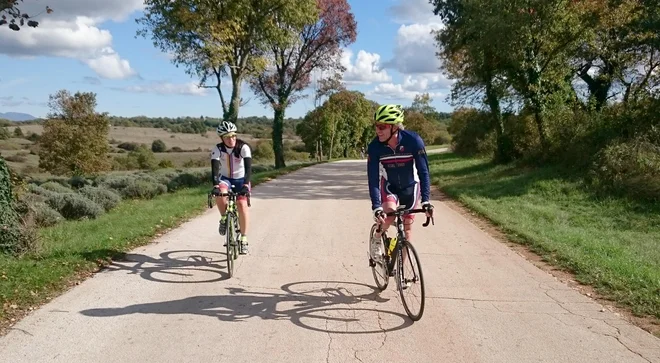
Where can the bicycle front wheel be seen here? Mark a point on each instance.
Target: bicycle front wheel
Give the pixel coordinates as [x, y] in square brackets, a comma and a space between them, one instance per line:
[231, 249]
[409, 279]
[379, 268]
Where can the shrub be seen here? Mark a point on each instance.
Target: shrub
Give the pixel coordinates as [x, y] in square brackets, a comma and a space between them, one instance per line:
[75, 206]
[142, 189]
[629, 168]
[56, 187]
[78, 182]
[186, 180]
[106, 198]
[128, 146]
[36, 189]
[16, 158]
[158, 146]
[263, 150]
[15, 237]
[44, 215]
[166, 164]
[471, 132]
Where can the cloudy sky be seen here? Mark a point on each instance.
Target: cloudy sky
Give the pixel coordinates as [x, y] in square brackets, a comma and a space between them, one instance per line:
[90, 45]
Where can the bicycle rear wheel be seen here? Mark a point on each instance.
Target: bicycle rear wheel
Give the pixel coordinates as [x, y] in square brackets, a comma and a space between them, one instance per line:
[231, 248]
[408, 281]
[379, 268]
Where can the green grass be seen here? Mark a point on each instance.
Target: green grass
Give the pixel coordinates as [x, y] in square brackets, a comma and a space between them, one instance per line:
[611, 244]
[74, 248]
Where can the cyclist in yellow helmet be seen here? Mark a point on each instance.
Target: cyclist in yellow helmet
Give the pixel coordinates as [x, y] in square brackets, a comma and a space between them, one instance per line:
[397, 170]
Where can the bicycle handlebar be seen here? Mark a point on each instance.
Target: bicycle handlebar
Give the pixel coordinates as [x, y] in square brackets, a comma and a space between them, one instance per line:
[216, 192]
[412, 211]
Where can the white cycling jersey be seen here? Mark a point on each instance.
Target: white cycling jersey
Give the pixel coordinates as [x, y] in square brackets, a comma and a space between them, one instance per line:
[231, 166]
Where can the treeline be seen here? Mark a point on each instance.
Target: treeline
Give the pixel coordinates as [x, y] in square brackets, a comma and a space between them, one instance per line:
[561, 82]
[259, 127]
[342, 126]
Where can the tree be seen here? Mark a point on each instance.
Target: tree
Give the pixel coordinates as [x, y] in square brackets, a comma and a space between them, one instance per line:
[470, 51]
[317, 47]
[74, 140]
[342, 125]
[10, 7]
[158, 146]
[213, 39]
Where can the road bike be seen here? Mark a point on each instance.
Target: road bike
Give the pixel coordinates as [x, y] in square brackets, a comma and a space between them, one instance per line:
[393, 255]
[233, 230]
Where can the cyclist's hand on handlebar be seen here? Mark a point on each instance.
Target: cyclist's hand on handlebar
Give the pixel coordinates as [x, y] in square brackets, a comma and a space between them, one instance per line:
[245, 190]
[379, 216]
[428, 208]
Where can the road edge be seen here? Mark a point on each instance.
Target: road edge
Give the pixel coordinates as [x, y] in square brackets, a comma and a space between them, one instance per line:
[647, 323]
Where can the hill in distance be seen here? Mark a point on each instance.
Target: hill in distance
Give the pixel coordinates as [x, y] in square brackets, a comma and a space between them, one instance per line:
[16, 116]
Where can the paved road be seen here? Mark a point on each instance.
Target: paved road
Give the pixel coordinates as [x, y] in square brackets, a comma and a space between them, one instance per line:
[306, 294]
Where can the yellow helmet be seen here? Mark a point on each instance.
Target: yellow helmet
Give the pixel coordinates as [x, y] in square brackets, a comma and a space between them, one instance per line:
[389, 114]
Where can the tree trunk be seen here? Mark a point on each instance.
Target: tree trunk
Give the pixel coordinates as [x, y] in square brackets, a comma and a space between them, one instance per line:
[235, 102]
[278, 130]
[503, 151]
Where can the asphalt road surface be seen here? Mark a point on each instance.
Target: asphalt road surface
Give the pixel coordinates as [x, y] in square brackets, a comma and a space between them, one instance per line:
[306, 294]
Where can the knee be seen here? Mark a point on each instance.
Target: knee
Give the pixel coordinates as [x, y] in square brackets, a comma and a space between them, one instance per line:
[242, 204]
[407, 224]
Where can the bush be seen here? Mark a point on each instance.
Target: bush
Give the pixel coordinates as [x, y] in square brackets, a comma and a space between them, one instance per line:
[263, 150]
[629, 168]
[16, 158]
[471, 132]
[44, 215]
[38, 190]
[16, 237]
[128, 146]
[56, 187]
[75, 206]
[78, 182]
[166, 164]
[189, 180]
[142, 189]
[4, 133]
[104, 197]
[158, 146]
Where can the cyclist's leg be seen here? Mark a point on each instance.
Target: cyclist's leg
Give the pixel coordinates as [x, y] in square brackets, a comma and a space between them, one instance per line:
[243, 216]
[410, 197]
[221, 202]
[389, 203]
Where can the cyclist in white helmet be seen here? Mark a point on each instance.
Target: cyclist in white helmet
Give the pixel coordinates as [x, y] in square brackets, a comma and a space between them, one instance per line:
[231, 164]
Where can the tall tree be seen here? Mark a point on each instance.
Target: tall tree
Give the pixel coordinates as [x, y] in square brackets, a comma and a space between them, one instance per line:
[75, 136]
[213, 39]
[470, 51]
[317, 47]
[10, 9]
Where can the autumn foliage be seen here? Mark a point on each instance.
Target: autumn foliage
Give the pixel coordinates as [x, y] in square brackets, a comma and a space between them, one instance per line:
[74, 140]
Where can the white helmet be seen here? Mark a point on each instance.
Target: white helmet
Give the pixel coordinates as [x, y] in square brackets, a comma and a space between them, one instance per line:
[226, 127]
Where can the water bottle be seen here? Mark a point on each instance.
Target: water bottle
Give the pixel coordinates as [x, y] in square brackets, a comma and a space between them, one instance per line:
[391, 246]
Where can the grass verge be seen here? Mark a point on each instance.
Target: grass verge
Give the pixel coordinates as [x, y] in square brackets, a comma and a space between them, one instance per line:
[72, 250]
[610, 244]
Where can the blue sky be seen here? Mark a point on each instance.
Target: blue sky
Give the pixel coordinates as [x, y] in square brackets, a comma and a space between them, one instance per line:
[90, 45]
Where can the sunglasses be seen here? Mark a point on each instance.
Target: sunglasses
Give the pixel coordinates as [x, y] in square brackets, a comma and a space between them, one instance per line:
[382, 127]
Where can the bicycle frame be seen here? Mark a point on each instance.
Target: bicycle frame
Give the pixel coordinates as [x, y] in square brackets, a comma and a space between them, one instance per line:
[401, 235]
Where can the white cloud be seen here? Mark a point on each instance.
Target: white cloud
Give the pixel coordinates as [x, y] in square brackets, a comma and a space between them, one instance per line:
[11, 101]
[167, 88]
[412, 86]
[414, 49]
[365, 70]
[72, 31]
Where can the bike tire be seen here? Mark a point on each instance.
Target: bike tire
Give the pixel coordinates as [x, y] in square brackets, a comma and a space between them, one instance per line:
[382, 266]
[420, 279]
[230, 245]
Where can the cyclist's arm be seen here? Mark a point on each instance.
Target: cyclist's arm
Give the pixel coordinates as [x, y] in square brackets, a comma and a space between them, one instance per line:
[373, 176]
[246, 154]
[215, 165]
[422, 164]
